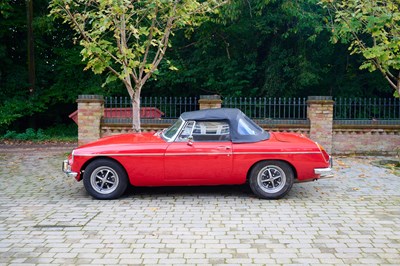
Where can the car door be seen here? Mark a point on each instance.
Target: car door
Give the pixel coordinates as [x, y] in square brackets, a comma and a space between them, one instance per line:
[200, 155]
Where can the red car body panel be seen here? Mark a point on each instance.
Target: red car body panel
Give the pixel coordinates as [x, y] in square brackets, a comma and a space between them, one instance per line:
[149, 160]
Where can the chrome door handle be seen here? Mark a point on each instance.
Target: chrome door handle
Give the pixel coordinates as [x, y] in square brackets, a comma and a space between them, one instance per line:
[224, 147]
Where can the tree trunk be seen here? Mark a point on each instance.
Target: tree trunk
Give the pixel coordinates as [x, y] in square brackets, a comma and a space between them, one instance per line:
[135, 99]
[398, 85]
[31, 55]
[398, 88]
[134, 93]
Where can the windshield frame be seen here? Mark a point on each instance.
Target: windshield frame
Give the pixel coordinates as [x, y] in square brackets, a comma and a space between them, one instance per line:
[171, 133]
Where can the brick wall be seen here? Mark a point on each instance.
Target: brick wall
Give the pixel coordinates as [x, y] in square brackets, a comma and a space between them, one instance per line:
[320, 114]
[320, 127]
[210, 101]
[90, 111]
[366, 139]
[114, 129]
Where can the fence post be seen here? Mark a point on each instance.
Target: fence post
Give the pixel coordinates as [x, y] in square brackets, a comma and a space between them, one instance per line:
[320, 114]
[210, 101]
[90, 111]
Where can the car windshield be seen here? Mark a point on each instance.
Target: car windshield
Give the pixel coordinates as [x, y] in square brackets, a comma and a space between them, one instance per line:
[170, 132]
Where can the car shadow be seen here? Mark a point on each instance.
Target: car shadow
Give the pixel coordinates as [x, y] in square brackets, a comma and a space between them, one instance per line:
[192, 191]
[224, 191]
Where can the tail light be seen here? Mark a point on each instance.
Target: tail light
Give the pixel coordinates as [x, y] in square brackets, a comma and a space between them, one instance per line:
[324, 153]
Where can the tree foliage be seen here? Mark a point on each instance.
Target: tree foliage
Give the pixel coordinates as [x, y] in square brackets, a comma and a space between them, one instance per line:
[277, 48]
[372, 28]
[59, 75]
[261, 48]
[129, 38]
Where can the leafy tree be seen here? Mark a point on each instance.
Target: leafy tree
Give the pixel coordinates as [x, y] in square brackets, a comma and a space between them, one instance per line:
[372, 27]
[31, 50]
[5, 8]
[13, 71]
[277, 48]
[254, 48]
[59, 75]
[129, 38]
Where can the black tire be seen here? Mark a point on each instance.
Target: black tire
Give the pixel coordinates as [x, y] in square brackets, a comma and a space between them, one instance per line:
[105, 179]
[271, 179]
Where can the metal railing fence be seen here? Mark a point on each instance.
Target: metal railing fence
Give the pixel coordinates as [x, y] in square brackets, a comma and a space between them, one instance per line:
[151, 107]
[269, 108]
[172, 107]
[367, 109]
[260, 108]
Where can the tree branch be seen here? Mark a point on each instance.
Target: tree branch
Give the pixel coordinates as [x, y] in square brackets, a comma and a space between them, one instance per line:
[392, 84]
[164, 41]
[150, 37]
[201, 8]
[90, 40]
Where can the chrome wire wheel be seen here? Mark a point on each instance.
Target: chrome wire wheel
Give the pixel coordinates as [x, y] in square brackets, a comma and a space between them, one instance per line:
[104, 180]
[271, 179]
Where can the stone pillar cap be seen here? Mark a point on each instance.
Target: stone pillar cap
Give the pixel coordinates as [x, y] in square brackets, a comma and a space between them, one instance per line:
[210, 97]
[90, 97]
[320, 98]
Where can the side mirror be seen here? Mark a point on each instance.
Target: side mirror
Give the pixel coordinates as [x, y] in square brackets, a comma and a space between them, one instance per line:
[190, 141]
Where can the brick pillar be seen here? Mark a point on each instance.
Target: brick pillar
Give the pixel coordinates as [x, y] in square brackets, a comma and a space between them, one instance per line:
[210, 101]
[90, 111]
[320, 114]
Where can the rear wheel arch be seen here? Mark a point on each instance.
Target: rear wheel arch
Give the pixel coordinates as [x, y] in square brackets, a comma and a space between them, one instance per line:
[271, 179]
[251, 168]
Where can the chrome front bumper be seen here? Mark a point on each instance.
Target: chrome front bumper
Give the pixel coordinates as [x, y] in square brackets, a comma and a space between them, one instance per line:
[66, 168]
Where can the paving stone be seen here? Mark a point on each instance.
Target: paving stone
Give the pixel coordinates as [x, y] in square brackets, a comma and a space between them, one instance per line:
[48, 219]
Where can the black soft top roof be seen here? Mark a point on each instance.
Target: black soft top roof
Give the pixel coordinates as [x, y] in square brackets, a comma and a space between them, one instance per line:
[232, 116]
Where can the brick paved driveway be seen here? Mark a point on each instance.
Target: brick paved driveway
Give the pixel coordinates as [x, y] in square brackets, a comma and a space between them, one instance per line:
[46, 218]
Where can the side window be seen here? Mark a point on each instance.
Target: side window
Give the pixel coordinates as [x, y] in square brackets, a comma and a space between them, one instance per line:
[245, 128]
[211, 131]
[186, 132]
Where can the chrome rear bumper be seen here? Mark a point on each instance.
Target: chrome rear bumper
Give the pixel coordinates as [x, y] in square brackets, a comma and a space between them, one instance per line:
[66, 168]
[325, 172]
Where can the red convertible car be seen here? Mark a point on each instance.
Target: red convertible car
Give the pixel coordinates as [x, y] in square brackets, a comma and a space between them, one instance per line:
[206, 147]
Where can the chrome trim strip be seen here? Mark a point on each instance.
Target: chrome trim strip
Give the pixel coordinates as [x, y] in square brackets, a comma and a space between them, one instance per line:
[120, 154]
[192, 153]
[198, 153]
[279, 152]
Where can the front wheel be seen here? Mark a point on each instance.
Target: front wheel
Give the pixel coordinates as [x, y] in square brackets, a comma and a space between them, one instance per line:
[271, 179]
[105, 179]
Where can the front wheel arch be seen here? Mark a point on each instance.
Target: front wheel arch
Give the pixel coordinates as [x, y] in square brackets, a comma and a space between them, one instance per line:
[85, 165]
[105, 178]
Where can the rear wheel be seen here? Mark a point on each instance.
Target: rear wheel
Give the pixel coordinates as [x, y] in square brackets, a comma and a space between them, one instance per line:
[105, 179]
[271, 179]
